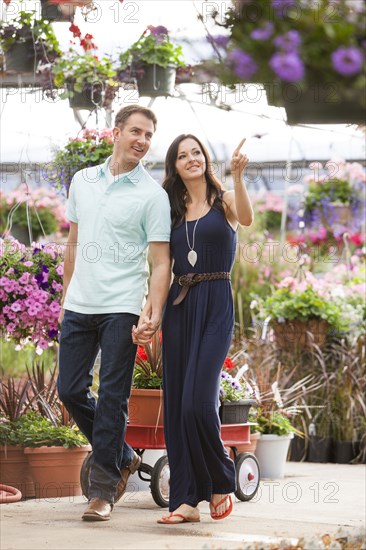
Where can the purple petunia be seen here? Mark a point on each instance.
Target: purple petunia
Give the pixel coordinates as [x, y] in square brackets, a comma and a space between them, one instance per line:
[288, 42]
[263, 33]
[280, 6]
[287, 66]
[220, 40]
[158, 31]
[347, 61]
[243, 63]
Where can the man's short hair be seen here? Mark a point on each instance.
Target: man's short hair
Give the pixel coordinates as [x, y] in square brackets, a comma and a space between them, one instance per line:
[124, 113]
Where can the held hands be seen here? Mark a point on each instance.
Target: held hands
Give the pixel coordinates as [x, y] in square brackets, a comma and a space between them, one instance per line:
[146, 328]
[238, 160]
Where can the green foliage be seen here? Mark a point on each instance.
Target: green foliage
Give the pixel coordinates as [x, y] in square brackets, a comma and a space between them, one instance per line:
[36, 431]
[276, 423]
[333, 190]
[152, 48]
[26, 27]
[148, 373]
[46, 218]
[91, 149]
[14, 362]
[82, 69]
[288, 305]
[144, 380]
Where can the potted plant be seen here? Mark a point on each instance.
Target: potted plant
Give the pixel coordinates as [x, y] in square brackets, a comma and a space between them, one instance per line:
[335, 197]
[236, 396]
[152, 60]
[28, 214]
[30, 293]
[146, 402]
[302, 312]
[92, 148]
[28, 43]
[89, 81]
[307, 54]
[60, 10]
[15, 401]
[55, 454]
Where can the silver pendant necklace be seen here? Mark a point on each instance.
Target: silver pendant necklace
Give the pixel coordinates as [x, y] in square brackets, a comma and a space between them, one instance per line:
[192, 254]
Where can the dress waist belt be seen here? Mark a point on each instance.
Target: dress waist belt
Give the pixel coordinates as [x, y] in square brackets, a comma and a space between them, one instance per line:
[192, 279]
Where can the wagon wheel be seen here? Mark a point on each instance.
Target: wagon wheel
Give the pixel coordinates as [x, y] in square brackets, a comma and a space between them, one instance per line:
[84, 475]
[247, 475]
[160, 482]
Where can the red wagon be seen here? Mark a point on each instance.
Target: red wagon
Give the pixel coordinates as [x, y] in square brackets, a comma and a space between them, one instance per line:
[152, 437]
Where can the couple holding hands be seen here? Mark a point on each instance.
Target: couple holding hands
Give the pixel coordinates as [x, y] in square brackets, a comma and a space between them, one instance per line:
[189, 225]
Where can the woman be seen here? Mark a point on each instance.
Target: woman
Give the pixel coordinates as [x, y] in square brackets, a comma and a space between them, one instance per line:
[197, 326]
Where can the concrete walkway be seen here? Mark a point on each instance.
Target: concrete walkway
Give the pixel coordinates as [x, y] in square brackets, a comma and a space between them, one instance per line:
[312, 501]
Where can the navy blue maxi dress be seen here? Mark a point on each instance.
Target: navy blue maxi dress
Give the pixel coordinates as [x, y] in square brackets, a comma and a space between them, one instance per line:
[196, 337]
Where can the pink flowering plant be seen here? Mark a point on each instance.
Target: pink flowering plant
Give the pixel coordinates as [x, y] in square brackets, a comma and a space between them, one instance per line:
[336, 302]
[309, 44]
[30, 292]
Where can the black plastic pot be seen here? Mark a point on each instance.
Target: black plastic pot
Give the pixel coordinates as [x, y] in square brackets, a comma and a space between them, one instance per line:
[320, 449]
[156, 81]
[235, 412]
[21, 57]
[298, 449]
[90, 98]
[324, 103]
[345, 451]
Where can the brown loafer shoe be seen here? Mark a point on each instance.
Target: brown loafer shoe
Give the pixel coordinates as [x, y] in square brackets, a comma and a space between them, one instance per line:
[125, 474]
[98, 510]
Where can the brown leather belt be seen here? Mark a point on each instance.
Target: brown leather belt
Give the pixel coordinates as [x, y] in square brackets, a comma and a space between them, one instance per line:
[192, 279]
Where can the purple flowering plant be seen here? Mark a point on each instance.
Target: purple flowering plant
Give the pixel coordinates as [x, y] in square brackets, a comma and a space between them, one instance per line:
[30, 292]
[153, 47]
[295, 42]
[235, 388]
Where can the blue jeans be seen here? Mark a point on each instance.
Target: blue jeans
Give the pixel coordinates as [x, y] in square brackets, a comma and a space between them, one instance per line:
[102, 421]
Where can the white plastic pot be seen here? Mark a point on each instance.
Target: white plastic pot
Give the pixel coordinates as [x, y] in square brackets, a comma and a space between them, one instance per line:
[271, 453]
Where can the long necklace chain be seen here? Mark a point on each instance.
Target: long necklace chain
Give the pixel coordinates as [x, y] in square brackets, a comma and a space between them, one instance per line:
[192, 254]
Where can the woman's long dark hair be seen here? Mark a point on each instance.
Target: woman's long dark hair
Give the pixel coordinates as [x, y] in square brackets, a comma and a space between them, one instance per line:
[175, 187]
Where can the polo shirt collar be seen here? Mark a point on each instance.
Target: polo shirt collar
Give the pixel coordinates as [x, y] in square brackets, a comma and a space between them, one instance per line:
[127, 177]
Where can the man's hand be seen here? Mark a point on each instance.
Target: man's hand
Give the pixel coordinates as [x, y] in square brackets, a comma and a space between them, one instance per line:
[146, 328]
[61, 315]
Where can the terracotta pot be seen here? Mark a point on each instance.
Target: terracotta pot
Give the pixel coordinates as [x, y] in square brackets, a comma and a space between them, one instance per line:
[56, 470]
[145, 407]
[246, 447]
[15, 471]
[301, 335]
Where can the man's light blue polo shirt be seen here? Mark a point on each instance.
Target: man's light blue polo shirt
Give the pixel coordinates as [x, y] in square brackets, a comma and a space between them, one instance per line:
[117, 218]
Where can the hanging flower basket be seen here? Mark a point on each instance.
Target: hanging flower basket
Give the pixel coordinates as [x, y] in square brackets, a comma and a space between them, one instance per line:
[156, 81]
[89, 99]
[58, 11]
[21, 57]
[293, 335]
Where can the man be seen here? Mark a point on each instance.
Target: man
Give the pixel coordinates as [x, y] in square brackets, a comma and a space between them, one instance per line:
[115, 211]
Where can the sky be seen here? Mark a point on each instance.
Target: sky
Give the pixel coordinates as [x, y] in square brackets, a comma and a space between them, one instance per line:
[31, 126]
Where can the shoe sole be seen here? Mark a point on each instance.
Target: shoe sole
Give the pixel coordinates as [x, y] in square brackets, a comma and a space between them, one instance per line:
[94, 517]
